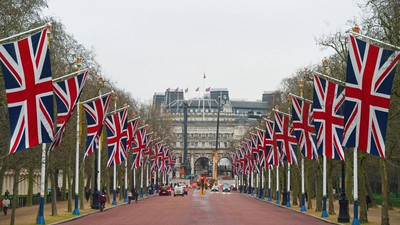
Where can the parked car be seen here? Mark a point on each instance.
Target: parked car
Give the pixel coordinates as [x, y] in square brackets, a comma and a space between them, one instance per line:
[215, 188]
[178, 190]
[164, 190]
[226, 187]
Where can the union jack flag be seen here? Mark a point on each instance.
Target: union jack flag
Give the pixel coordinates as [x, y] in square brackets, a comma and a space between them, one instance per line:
[369, 79]
[155, 159]
[29, 90]
[68, 93]
[241, 160]
[328, 117]
[286, 141]
[147, 151]
[262, 148]
[138, 146]
[116, 137]
[304, 130]
[164, 160]
[255, 151]
[95, 116]
[273, 156]
[131, 128]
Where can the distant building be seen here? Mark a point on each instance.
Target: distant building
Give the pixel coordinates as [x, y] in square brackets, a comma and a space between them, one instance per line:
[236, 117]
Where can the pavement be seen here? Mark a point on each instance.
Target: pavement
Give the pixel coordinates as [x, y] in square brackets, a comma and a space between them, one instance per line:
[27, 215]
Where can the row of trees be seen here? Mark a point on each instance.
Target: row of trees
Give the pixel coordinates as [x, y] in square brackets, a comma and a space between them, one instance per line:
[382, 21]
[19, 16]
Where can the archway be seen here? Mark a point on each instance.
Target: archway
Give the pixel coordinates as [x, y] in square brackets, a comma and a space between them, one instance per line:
[203, 166]
[224, 169]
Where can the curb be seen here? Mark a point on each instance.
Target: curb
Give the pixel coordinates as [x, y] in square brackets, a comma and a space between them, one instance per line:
[96, 211]
[325, 220]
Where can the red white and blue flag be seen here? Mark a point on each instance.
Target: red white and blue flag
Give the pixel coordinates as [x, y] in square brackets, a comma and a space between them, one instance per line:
[155, 159]
[116, 137]
[164, 160]
[148, 149]
[262, 149]
[138, 147]
[68, 93]
[131, 128]
[369, 79]
[287, 142]
[304, 129]
[29, 90]
[328, 118]
[95, 116]
[273, 156]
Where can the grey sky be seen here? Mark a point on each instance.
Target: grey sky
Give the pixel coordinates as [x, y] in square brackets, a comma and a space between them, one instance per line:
[247, 46]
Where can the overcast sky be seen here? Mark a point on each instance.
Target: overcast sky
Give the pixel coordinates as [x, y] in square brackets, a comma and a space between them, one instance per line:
[246, 46]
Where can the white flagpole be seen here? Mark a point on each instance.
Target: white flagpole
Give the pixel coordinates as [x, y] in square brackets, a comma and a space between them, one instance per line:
[126, 181]
[303, 207]
[78, 140]
[355, 187]
[147, 180]
[141, 182]
[25, 32]
[288, 187]
[114, 202]
[324, 213]
[262, 184]
[40, 218]
[269, 184]
[257, 184]
[204, 81]
[277, 185]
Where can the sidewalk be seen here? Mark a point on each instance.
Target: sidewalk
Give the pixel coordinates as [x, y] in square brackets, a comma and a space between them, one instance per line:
[27, 215]
[374, 213]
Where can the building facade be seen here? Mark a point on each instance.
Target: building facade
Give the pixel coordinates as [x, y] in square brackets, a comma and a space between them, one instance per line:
[235, 119]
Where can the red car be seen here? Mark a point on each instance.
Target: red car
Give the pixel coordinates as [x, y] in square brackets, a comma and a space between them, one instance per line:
[164, 191]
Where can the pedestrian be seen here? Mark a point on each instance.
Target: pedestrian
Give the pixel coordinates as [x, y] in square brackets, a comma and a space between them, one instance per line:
[135, 194]
[102, 201]
[7, 193]
[6, 204]
[368, 201]
[87, 194]
[130, 197]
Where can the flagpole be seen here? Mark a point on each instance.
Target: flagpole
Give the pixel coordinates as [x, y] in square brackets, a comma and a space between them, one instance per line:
[40, 218]
[269, 184]
[262, 184]
[71, 74]
[25, 32]
[324, 213]
[126, 180]
[141, 182]
[355, 187]
[204, 81]
[277, 185]
[257, 185]
[288, 187]
[114, 202]
[147, 179]
[241, 183]
[303, 207]
[78, 141]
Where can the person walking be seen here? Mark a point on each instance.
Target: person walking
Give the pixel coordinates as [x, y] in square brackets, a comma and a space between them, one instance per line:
[6, 204]
[130, 197]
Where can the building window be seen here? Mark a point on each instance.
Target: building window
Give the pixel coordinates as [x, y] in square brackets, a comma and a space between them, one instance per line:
[203, 144]
[196, 144]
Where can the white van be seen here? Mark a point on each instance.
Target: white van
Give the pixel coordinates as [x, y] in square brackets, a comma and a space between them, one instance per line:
[178, 190]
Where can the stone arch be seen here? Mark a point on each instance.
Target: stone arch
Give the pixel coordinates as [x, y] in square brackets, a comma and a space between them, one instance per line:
[203, 166]
[224, 167]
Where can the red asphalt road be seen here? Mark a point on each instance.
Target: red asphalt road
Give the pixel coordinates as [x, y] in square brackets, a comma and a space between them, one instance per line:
[212, 208]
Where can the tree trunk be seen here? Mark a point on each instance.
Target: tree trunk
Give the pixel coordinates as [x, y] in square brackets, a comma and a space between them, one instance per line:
[70, 191]
[54, 193]
[15, 196]
[30, 187]
[349, 175]
[309, 185]
[385, 208]
[81, 186]
[329, 180]
[296, 185]
[2, 171]
[362, 196]
[370, 192]
[64, 186]
[318, 189]
[398, 183]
